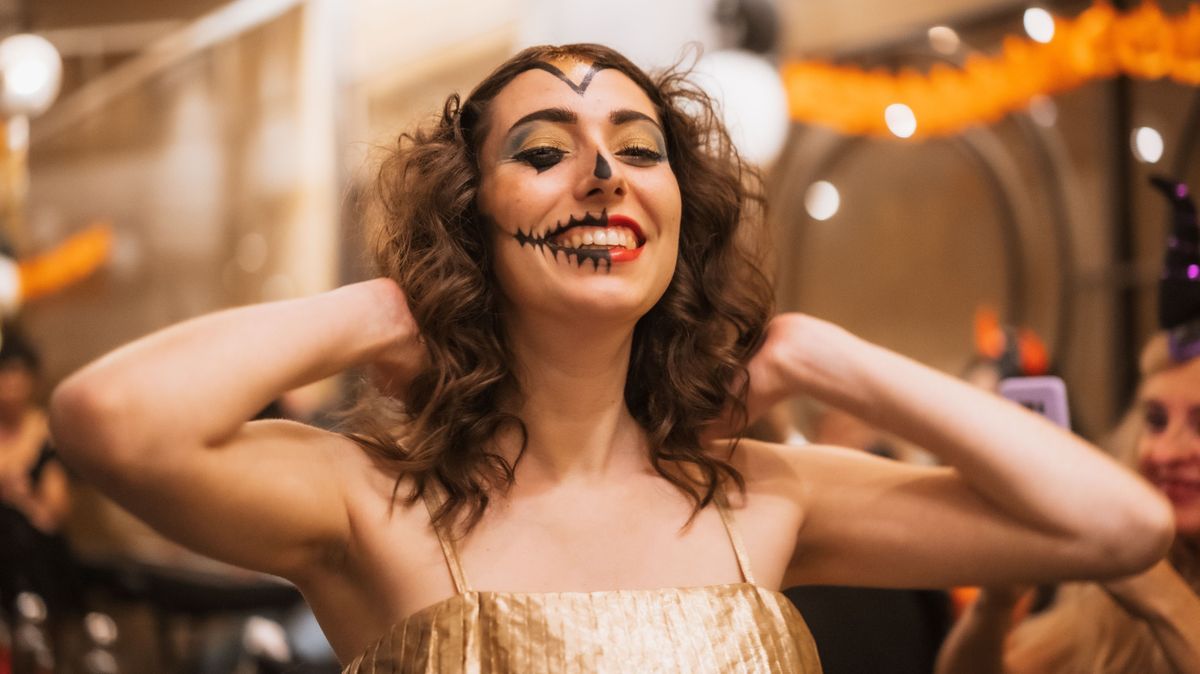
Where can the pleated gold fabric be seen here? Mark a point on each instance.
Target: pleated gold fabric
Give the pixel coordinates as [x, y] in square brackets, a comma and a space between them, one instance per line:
[738, 627]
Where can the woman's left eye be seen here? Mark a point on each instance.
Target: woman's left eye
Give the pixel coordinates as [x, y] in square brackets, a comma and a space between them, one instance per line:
[640, 154]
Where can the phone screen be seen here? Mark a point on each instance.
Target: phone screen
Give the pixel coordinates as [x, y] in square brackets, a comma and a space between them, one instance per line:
[1045, 395]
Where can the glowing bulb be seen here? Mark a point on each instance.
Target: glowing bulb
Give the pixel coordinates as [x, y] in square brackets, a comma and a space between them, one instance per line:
[1147, 145]
[32, 73]
[1039, 24]
[752, 101]
[944, 40]
[822, 200]
[900, 120]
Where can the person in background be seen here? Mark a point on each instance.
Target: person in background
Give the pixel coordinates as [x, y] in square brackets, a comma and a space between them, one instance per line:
[1148, 623]
[35, 500]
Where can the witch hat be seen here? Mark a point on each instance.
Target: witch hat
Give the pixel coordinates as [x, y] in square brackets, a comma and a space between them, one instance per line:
[1179, 286]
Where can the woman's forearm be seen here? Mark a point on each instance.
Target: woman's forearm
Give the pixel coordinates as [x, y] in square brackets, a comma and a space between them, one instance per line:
[199, 381]
[1022, 464]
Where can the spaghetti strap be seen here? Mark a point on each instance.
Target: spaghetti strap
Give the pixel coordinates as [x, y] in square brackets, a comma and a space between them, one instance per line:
[448, 550]
[739, 550]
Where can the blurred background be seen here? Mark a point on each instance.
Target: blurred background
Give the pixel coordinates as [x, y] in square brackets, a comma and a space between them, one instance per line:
[227, 147]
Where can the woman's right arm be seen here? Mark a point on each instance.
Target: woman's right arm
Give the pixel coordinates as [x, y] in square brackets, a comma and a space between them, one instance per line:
[160, 424]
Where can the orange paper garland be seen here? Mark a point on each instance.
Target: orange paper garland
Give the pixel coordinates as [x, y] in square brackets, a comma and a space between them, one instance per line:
[1099, 43]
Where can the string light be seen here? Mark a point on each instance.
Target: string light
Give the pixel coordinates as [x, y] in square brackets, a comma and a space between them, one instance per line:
[822, 200]
[900, 120]
[944, 40]
[1039, 25]
[32, 74]
[1147, 145]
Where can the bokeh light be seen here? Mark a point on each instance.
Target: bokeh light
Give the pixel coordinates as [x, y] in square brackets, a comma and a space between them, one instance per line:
[944, 40]
[1147, 145]
[1039, 25]
[900, 120]
[822, 200]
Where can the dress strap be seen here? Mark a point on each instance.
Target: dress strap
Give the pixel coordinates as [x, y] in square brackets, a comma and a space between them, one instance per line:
[449, 551]
[735, 538]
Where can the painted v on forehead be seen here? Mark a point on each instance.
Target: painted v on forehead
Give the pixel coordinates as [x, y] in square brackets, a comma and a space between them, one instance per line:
[580, 88]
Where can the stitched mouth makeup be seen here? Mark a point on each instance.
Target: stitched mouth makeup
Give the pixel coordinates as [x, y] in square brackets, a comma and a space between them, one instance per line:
[602, 238]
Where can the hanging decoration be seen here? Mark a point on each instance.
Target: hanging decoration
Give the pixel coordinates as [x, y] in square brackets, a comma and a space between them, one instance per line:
[47, 273]
[1099, 43]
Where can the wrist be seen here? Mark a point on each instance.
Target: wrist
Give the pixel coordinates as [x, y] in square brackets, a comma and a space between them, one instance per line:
[385, 320]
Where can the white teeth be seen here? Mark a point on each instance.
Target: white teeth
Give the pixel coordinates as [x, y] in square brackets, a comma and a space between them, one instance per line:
[597, 236]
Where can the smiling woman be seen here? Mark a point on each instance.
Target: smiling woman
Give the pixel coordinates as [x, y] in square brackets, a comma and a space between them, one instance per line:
[568, 321]
[576, 153]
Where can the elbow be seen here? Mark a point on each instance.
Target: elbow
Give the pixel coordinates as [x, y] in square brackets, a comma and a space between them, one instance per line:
[1140, 539]
[84, 414]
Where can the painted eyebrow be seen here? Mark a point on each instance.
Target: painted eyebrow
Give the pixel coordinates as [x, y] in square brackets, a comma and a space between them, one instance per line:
[560, 115]
[625, 116]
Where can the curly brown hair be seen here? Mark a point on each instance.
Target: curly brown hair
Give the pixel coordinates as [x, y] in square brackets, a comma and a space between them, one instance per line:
[689, 351]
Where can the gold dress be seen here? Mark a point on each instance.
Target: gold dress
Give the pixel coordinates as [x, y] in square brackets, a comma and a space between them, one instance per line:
[738, 627]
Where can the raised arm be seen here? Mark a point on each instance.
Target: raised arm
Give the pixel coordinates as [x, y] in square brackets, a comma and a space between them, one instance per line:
[161, 424]
[1019, 500]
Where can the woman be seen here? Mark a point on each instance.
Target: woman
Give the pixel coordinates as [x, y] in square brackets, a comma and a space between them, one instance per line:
[35, 496]
[567, 306]
[1148, 623]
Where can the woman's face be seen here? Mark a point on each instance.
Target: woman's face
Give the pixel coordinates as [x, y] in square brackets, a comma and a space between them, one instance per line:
[584, 208]
[1169, 449]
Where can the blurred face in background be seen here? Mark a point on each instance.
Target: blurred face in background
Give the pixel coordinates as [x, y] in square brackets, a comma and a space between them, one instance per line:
[16, 384]
[1169, 447]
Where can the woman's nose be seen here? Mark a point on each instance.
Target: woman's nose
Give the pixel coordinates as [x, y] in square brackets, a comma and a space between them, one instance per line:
[602, 177]
[1174, 442]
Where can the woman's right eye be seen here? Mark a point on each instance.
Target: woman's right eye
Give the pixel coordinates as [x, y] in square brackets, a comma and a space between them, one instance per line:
[1156, 419]
[541, 158]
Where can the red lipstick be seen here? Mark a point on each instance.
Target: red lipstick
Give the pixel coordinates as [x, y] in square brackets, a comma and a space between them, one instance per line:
[626, 221]
[626, 254]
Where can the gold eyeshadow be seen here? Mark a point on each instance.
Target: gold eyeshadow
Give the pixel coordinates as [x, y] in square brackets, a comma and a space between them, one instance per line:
[640, 134]
[536, 135]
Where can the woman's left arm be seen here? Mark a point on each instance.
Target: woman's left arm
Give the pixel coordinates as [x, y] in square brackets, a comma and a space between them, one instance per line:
[1023, 500]
[1163, 600]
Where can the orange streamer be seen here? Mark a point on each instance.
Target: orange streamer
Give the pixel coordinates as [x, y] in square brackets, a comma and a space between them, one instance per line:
[70, 261]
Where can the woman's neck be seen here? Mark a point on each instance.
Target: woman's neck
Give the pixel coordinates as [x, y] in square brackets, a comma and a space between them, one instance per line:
[572, 401]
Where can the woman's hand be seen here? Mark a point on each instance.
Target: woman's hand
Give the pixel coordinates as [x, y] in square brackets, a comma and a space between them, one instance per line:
[406, 355]
[777, 371]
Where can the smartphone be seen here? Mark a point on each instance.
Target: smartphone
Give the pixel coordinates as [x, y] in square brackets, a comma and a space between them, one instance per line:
[1045, 395]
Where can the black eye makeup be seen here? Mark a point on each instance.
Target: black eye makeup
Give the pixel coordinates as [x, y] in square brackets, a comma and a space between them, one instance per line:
[541, 158]
[1155, 416]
